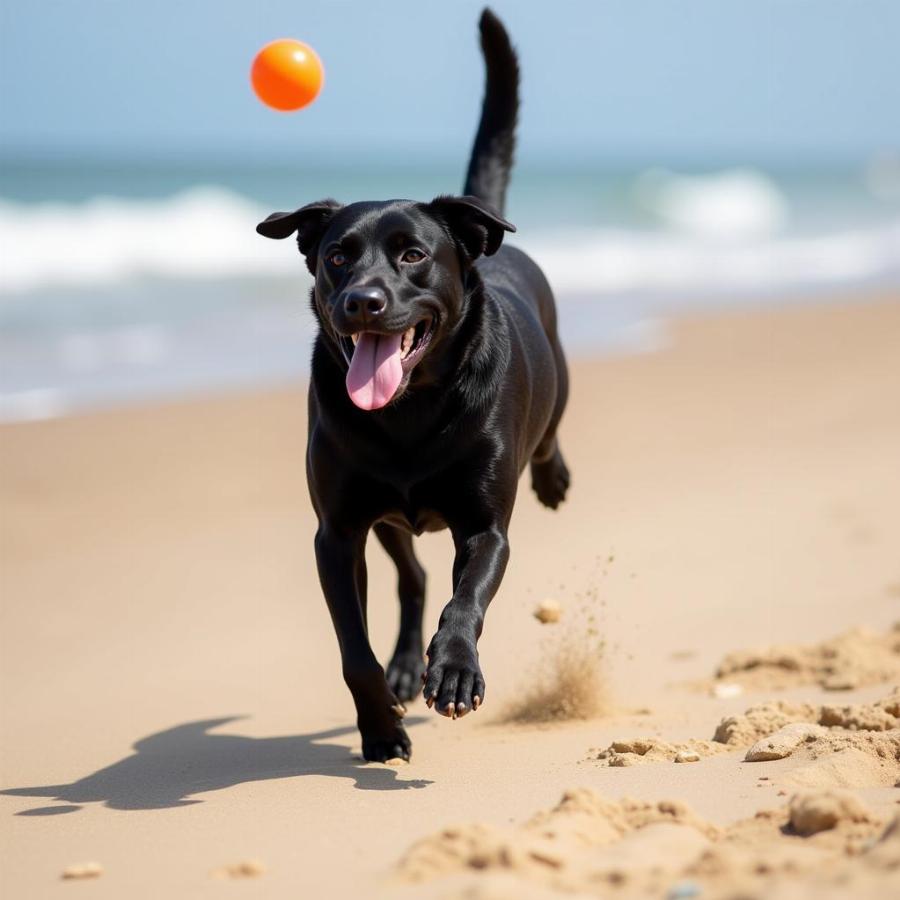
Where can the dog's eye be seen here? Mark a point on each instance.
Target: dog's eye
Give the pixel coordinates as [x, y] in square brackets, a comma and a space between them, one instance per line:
[337, 259]
[412, 256]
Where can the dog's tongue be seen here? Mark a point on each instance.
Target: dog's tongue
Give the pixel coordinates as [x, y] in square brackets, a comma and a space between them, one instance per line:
[375, 370]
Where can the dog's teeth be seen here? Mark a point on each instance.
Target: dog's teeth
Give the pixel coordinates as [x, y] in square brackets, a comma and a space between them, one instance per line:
[354, 338]
[407, 340]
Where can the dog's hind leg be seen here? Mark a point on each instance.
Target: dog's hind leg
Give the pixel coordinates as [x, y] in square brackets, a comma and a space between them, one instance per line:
[407, 665]
[550, 477]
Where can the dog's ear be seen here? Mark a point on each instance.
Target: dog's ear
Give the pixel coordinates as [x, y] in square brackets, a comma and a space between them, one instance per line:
[477, 226]
[309, 222]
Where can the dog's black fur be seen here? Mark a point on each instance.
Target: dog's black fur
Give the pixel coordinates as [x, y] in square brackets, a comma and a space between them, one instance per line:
[483, 398]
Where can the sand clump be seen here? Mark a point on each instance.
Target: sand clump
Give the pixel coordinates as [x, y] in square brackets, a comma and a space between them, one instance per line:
[817, 811]
[854, 659]
[580, 811]
[881, 716]
[548, 612]
[732, 733]
[590, 845]
[760, 721]
[852, 759]
[651, 749]
[856, 745]
[562, 846]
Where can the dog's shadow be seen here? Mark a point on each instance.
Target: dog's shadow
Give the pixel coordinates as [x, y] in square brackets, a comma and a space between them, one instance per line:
[169, 767]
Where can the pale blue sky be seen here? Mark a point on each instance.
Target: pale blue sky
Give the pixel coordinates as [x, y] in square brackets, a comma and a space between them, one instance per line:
[604, 80]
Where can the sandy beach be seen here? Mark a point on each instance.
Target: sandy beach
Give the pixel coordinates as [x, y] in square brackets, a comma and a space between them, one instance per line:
[173, 710]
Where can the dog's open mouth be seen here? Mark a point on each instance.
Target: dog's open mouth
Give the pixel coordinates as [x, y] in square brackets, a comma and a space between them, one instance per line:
[381, 363]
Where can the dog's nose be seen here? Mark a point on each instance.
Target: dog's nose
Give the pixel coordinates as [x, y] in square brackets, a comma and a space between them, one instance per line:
[362, 304]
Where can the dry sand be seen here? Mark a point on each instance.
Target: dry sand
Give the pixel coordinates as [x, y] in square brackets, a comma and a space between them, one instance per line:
[174, 723]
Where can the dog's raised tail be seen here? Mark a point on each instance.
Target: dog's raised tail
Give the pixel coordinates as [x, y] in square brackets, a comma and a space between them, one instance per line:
[495, 142]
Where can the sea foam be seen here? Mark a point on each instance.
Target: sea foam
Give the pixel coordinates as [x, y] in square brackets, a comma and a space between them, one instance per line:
[201, 233]
[718, 234]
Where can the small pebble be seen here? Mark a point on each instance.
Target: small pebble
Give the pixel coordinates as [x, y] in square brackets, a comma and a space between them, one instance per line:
[548, 612]
[726, 690]
[248, 868]
[687, 756]
[83, 870]
[683, 890]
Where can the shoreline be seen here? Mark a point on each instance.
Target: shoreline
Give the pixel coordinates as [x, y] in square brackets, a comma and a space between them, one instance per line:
[157, 366]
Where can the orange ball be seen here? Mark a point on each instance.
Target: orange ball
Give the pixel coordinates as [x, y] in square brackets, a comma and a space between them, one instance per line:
[287, 75]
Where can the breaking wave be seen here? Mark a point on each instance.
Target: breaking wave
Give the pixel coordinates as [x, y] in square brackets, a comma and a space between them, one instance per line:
[721, 234]
[684, 265]
[201, 233]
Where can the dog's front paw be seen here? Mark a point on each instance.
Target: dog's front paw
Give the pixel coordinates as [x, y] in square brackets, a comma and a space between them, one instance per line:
[454, 684]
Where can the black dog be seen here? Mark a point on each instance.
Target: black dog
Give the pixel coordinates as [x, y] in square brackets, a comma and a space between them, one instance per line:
[436, 376]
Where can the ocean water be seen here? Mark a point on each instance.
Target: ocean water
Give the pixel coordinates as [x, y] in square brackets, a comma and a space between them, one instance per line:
[121, 282]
